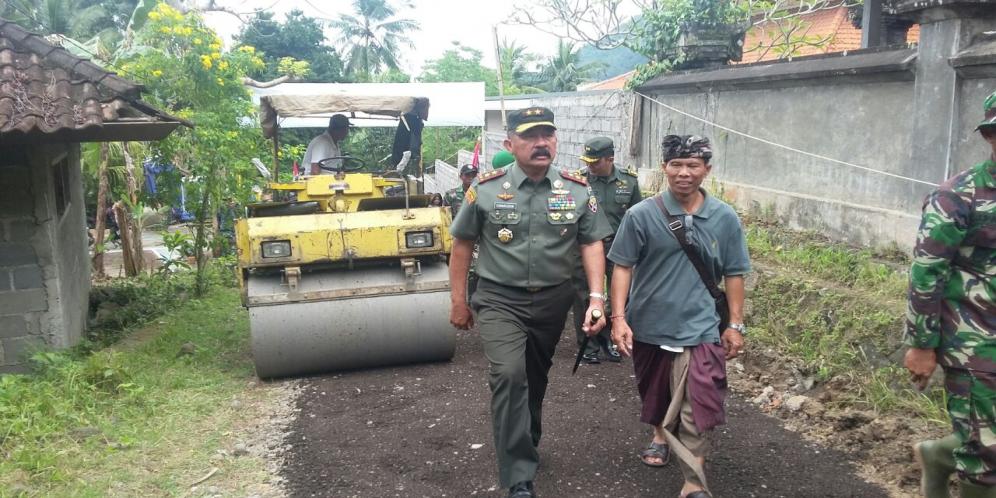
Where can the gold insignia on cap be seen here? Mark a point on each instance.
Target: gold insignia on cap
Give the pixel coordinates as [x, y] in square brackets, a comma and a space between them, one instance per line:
[533, 112]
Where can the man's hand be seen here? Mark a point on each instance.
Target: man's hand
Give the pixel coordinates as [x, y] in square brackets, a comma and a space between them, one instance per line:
[590, 328]
[921, 364]
[460, 316]
[733, 342]
[622, 336]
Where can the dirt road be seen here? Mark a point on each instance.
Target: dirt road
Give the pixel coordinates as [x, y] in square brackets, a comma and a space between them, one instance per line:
[424, 430]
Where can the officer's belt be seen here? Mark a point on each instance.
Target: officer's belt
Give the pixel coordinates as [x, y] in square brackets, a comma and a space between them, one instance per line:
[530, 290]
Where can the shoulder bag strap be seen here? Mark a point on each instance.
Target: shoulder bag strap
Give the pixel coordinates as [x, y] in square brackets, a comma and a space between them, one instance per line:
[677, 228]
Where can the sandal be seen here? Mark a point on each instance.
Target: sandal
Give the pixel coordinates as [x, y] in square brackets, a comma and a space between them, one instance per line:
[659, 451]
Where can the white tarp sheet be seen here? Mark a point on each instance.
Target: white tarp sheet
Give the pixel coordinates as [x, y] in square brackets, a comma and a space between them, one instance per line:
[450, 104]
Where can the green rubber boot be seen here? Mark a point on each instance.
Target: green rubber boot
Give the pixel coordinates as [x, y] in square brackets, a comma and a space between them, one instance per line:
[972, 490]
[936, 459]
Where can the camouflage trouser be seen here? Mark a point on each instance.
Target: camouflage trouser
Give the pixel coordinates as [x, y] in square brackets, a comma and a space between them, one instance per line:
[972, 407]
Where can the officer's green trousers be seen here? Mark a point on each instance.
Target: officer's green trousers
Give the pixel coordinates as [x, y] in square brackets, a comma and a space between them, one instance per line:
[519, 330]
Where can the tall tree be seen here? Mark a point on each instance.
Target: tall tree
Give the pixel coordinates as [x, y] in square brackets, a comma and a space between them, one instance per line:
[460, 63]
[373, 37]
[564, 71]
[300, 37]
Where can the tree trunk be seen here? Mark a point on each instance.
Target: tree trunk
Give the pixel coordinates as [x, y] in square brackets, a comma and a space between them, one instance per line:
[134, 221]
[100, 215]
[200, 237]
[122, 216]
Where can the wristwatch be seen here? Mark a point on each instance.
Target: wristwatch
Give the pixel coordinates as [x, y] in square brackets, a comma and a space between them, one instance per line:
[739, 327]
[597, 295]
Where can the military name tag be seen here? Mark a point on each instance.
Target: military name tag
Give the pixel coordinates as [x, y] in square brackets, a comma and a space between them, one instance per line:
[510, 206]
[504, 235]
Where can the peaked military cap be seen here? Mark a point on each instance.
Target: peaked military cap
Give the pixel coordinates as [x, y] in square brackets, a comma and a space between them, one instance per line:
[989, 108]
[597, 148]
[523, 119]
[468, 169]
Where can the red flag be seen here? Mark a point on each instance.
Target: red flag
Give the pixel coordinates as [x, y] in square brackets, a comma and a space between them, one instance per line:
[477, 155]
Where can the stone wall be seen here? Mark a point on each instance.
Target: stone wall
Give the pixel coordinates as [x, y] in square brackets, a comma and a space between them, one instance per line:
[44, 269]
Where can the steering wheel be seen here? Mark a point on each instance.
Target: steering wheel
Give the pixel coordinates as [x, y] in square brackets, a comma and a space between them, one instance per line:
[347, 164]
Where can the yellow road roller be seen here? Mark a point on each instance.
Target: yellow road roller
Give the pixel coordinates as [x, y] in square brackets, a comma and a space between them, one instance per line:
[348, 269]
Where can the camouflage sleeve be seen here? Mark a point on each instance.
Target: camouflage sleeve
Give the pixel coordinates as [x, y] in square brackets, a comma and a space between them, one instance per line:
[942, 229]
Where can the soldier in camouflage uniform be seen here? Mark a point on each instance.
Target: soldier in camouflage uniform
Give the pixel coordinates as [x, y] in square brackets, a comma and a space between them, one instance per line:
[616, 190]
[454, 196]
[952, 322]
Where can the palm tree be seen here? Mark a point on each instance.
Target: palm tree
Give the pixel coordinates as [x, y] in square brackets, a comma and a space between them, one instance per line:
[515, 63]
[373, 37]
[563, 72]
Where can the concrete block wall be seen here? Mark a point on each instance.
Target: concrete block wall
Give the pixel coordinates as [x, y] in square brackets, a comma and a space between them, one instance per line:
[579, 116]
[23, 296]
[44, 265]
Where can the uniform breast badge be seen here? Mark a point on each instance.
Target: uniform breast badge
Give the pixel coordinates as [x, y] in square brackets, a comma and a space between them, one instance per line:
[504, 235]
[569, 215]
[555, 216]
[505, 196]
[558, 184]
[506, 185]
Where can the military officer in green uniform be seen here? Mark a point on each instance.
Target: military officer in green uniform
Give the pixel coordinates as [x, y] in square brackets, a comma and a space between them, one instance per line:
[530, 221]
[454, 196]
[616, 190]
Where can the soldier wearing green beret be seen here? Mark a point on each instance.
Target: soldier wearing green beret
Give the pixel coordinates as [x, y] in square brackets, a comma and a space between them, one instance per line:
[530, 220]
[616, 190]
[951, 322]
[502, 158]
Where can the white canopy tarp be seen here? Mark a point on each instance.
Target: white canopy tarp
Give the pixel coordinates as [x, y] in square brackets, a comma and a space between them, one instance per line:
[450, 104]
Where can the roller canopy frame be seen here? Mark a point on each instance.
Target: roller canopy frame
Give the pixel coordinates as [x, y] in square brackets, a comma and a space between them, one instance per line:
[273, 107]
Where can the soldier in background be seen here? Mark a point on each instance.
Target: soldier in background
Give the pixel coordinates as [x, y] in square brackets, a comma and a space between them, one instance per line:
[454, 196]
[951, 321]
[616, 190]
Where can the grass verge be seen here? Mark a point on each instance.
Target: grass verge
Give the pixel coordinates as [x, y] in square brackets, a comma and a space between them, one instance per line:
[143, 418]
[837, 313]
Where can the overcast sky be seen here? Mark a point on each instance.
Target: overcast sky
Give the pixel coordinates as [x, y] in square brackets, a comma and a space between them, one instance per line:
[442, 22]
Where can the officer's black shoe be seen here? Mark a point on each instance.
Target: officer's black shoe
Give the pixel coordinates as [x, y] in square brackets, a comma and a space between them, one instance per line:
[612, 354]
[591, 358]
[522, 489]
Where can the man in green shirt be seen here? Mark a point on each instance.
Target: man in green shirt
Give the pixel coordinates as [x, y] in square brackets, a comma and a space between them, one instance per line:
[530, 221]
[454, 196]
[616, 190]
[951, 322]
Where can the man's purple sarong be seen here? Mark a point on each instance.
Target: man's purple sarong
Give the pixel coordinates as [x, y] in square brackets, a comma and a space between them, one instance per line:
[706, 383]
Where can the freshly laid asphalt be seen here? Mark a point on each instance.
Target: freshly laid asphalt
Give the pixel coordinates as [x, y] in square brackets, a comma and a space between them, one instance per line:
[424, 430]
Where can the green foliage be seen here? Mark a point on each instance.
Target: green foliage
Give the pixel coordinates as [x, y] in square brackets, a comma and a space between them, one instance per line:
[121, 304]
[837, 313]
[564, 72]
[82, 422]
[299, 37]
[460, 63]
[372, 38]
[178, 246]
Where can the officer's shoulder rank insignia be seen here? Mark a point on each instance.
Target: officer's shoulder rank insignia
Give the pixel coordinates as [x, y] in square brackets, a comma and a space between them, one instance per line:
[632, 172]
[491, 175]
[574, 177]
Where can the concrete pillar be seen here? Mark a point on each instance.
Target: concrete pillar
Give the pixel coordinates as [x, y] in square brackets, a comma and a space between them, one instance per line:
[871, 24]
[946, 27]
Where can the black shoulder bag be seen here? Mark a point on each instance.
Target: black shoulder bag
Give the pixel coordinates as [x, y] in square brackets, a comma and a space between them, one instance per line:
[677, 227]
